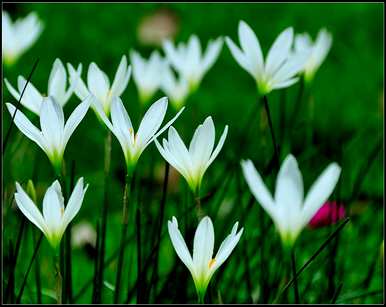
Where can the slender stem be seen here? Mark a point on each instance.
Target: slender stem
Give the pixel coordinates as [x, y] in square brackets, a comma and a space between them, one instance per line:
[96, 266]
[154, 277]
[293, 265]
[37, 272]
[104, 214]
[128, 180]
[29, 268]
[319, 250]
[275, 147]
[58, 277]
[18, 106]
[199, 211]
[139, 254]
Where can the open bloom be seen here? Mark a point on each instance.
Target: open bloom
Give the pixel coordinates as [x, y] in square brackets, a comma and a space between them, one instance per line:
[147, 74]
[188, 60]
[288, 210]
[177, 90]
[328, 214]
[202, 265]
[317, 51]
[54, 133]
[17, 37]
[192, 163]
[279, 68]
[55, 217]
[32, 99]
[133, 144]
[98, 83]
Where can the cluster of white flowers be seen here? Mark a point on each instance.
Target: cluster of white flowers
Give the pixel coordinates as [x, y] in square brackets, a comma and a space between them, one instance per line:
[289, 57]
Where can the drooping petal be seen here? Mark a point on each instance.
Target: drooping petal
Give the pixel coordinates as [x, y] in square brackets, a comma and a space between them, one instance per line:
[203, 245]
[26, 127]
[258, 188]
[179, 244]
[320, 191]
[32, 99]
[74, 203]
[29, 209]
[240, 57]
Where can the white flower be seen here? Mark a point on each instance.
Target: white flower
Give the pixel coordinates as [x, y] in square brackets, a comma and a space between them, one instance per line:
[192, 163]
[147, 74]
[98, 83]
[54, 133]
[133, 144]
[188, 60]
[32, 99]
[288, 210]
[202, 265]
[280, 66]
[55, 217]
[176, 90]
[17, 37]
[317, 51]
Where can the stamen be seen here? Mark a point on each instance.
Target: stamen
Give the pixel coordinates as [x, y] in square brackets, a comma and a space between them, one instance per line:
[211, 262]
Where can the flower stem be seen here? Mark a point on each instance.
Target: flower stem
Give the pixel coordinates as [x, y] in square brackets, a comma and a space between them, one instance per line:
[128, 180]
[293, 265]
[275, 147]
[139, 253]
[58, 276]
[104, 213]
[154, 277]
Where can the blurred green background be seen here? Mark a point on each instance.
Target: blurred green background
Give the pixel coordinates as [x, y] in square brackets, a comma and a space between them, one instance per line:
[347, 99]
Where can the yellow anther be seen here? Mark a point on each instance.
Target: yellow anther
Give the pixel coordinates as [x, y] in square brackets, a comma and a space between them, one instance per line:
[211, 262]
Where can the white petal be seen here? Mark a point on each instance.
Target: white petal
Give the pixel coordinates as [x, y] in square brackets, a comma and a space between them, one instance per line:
[227, 247]
[151, 121]
[32, 99]
[289, 186]
[179, 244]
[203, 245]
[320, 191]
[52, 122]
[74, 203]
[219, 146]
[121, 78]
[291, 67]
[251, 47]
[202, 143]
[240, 57]
[121, 122]
[258, 188]
[26, 127]
[284, 84]
[75, 118]
[57, 82]
[211, 54]
[53, 208]
[77, 83]
[279, 51]
[97, 82]
[178, 149]
[29, 209]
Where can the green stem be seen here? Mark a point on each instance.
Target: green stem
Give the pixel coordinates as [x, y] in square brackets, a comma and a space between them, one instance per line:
[58, 277]
[104, 213]
[128, 180]
[293, 265]
[275, 147]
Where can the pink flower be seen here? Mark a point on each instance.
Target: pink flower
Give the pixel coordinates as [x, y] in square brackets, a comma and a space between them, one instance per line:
[328, 214]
